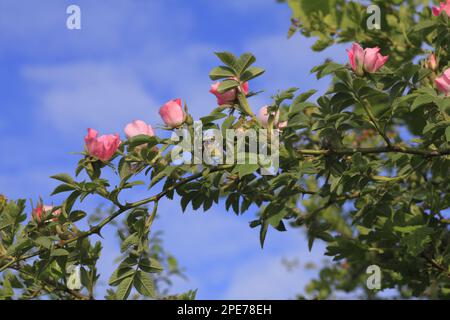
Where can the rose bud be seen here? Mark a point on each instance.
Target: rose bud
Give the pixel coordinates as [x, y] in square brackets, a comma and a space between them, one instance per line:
[172, 113]
[103, 147]
[137, 128]
[229, 96]
[443, 7]
[282, 125]
[443, 82]
[41, 211]
[432, 62]
[263, 116]
[365, 60]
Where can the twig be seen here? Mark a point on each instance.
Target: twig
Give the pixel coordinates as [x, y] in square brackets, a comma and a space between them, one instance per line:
[436, 265]
[376, 150]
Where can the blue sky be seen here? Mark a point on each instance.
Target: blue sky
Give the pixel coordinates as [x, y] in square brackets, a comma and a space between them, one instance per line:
[129, 58]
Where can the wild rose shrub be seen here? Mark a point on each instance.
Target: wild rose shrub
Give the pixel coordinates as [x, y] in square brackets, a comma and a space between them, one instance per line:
[346, 177]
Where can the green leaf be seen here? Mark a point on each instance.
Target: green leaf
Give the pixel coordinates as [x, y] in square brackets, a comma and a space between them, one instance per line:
[285, 95]
[45, 242]
[304, 96]
[426, 24]
[124, 169]
[62, 188]
[70, 201]
[311, 240]
[228, 59]
[215, 115]
[251, 73]
[59, 253]
[142, 139]
[124, 289]
[22, 244]
[244, 62]
[303, 10]
[161, 175]
[326, 69]
[131, 240]
[227, 85]
[63, 177]
[417, 239]
[276, 220]
[226, 124]
[7, 290]
[263, 233]
[77, 215]
[245, 169]
[185, 200]
[144, 284]
[15, 282]
[221, 73]
[255, 223]
[421, 100]
[151, 265]
[120, 274]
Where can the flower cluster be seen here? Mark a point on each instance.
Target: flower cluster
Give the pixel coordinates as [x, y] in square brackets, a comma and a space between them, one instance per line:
[172, 114]
[370, 60]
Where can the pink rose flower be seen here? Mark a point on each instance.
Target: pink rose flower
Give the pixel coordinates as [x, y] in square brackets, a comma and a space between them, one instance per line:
[443, 82]
[443, 7]
[172, 113]
[365, 60]
[229, 96]
[263, 116]
[41, 211]
[137, 128]
[103, 147]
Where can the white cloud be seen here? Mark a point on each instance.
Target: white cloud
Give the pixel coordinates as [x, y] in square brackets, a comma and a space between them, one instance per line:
[265, 277]
[103, 96]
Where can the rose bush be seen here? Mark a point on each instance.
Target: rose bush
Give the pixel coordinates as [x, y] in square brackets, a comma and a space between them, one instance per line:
[347, 175]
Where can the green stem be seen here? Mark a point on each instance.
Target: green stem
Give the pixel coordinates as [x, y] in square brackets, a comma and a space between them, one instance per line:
[152, 217]
[367, 107]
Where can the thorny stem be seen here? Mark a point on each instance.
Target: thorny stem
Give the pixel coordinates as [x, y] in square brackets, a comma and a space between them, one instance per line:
[122, 208]
[376, 150]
